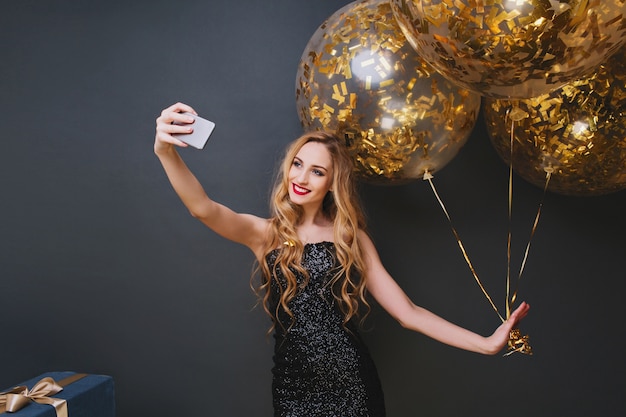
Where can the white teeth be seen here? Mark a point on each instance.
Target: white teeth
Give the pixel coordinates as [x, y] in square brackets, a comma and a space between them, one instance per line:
[300, 189]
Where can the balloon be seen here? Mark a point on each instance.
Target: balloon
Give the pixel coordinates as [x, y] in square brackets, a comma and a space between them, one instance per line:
[578, 132]
[513, 48]
[360, 78]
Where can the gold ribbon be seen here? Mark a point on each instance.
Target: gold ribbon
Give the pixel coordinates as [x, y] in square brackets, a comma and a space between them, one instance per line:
[429, 177]
[518, 343]
[20, 396]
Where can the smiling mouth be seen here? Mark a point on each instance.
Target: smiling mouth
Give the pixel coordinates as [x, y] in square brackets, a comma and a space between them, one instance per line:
[299, 190]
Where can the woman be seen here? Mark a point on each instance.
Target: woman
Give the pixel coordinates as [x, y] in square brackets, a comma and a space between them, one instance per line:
[317, 265]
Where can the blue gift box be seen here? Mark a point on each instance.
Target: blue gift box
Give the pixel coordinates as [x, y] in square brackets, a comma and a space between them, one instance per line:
[88, 396]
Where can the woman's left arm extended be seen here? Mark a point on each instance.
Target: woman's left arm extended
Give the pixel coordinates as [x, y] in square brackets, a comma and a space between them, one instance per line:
[395, 301]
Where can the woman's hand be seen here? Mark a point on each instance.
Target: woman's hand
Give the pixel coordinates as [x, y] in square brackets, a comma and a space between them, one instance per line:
[165, 127]
[499, 339]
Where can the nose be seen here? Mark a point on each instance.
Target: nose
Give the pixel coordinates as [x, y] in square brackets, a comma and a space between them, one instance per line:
[303, 177]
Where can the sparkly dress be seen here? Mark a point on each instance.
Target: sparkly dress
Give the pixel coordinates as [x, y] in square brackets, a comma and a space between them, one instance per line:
[320, 368]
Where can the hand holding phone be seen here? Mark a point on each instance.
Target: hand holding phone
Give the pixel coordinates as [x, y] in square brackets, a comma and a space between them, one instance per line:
[202, 130]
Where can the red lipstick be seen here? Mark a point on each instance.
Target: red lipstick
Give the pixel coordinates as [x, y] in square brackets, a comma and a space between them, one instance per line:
[299, 190]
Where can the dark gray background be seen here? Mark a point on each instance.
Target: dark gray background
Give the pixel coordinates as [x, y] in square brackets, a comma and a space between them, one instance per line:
[103, 271]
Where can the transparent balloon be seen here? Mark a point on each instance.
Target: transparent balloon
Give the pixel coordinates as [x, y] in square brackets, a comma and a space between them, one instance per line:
[359, 77]
[513, 48]
[577, 133]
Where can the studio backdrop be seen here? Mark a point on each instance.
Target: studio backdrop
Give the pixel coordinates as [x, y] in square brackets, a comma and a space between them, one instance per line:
[103, 270]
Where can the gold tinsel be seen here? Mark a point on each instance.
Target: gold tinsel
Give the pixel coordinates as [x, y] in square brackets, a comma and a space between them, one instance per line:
[359, 77]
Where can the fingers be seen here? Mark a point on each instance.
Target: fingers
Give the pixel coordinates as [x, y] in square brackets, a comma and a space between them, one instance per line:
[175, 115]
[172, 120]
[179, 108]
[519, 313]
[522, 310]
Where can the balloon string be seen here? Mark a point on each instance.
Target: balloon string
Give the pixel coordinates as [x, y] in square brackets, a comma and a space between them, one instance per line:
[509, 234]
[532, 234]
[428, 177]
[510, 299]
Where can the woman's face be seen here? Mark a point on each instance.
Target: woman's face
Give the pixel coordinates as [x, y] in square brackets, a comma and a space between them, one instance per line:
[310, 175]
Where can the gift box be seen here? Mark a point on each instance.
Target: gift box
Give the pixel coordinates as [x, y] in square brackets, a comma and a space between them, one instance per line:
[83, 395]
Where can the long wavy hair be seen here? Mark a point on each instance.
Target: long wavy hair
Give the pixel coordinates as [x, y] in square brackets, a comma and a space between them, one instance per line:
[341, 206]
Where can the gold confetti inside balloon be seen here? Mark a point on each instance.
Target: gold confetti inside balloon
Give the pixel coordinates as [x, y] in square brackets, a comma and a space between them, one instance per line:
[359, 77]
[577, 132]
[513, 48]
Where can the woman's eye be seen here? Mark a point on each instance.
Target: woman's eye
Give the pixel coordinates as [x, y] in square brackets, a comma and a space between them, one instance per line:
[318, 172]
[297, 164]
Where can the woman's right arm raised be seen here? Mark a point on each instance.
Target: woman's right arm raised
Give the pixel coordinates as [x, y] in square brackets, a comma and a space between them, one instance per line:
[246, 229]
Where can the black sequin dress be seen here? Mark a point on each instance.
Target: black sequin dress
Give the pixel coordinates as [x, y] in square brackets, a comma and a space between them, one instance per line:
[321, 368]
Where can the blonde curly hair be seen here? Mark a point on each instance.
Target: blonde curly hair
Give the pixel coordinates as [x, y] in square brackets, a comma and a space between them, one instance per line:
[342, 207]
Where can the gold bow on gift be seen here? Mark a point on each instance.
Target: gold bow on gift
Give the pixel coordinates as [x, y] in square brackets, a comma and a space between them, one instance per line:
[19, 397]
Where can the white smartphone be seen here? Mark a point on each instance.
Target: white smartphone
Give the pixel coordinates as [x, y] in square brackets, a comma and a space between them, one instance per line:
[202, 129]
